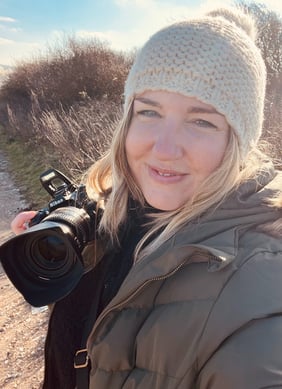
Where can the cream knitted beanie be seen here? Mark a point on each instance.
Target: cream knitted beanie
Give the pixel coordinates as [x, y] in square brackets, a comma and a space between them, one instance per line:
[213, 58]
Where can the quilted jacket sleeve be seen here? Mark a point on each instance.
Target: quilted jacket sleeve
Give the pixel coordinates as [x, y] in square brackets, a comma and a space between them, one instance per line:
[249, 359]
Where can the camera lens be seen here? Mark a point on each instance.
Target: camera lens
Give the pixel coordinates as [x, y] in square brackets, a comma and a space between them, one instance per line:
[51, 248]
[49, 254]
[45, 262]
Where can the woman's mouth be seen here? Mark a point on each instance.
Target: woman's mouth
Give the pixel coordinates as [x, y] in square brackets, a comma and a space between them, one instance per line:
[165, 175]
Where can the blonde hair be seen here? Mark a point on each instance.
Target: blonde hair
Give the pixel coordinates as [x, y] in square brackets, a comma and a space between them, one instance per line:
[109, 181]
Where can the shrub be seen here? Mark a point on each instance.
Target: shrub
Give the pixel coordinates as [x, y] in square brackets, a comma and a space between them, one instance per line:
[76, 71]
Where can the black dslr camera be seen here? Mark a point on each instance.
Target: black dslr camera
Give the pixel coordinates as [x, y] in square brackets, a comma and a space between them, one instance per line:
[45, 262]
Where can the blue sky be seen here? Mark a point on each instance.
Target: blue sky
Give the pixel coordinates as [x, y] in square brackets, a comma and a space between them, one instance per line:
[27, 27]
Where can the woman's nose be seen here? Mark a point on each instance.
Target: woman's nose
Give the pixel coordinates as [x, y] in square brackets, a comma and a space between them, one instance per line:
[167, 144]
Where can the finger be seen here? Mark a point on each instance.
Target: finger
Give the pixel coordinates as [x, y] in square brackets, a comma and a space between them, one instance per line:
[20, 222]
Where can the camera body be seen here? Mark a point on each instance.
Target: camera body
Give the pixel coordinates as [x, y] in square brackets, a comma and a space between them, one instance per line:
[63, 192]
[45, 262]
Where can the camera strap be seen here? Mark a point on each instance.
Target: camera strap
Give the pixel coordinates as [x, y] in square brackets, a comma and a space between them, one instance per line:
[112, 270]
[82, 367]
[82, 363]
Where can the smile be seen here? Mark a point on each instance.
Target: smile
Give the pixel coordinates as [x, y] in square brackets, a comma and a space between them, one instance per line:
[165, 176]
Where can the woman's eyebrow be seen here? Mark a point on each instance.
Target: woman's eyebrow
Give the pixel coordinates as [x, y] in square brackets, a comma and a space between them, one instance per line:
[148, 101]
[203, 110]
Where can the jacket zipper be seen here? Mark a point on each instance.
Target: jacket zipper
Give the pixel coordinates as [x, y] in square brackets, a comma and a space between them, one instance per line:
[163, 277]
[133, 294]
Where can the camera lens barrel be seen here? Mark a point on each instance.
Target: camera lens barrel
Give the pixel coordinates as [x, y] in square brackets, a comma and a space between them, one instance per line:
[77, 219]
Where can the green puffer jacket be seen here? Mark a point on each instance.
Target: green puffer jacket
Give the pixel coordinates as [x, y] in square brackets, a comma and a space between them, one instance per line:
[205, 310]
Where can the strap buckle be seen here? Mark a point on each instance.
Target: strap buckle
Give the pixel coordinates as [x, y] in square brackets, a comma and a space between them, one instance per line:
[81, 359]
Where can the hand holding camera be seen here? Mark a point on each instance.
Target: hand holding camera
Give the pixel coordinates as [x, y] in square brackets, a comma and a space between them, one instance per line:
[21, 221]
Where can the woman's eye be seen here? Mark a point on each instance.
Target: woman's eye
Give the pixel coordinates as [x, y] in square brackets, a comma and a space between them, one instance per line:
[204, 123]
[147, 113]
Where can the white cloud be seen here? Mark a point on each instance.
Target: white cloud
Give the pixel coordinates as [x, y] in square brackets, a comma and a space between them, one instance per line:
[5, 23]
[4, 41]
[12, 51]
[116, 39]
[7, 19]
[9, 29]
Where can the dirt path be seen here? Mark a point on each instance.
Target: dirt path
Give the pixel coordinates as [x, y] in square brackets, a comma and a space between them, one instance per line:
[22, 332]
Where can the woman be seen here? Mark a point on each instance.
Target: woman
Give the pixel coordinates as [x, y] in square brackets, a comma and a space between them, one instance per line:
[187, 293]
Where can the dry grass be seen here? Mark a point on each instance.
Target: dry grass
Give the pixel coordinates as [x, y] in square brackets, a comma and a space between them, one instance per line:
[272, 131]
[80, 134]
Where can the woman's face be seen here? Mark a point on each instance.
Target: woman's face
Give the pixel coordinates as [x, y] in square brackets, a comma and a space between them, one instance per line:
[173, 144]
